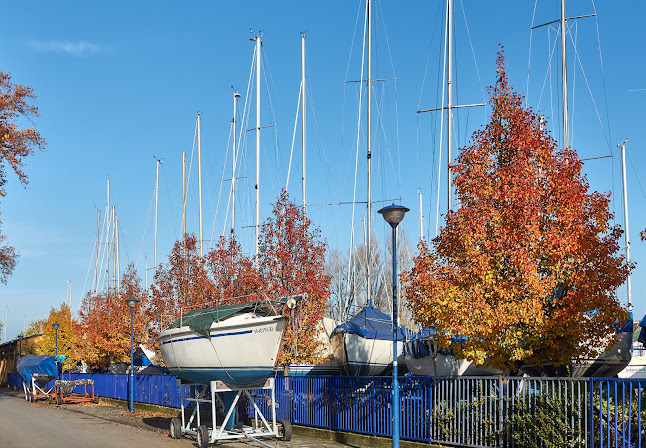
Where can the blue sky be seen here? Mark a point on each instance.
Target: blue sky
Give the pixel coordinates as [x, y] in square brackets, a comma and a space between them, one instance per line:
[119, 84]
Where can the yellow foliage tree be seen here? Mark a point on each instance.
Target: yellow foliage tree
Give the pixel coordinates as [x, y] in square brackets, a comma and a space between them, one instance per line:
[528, 267]
[66, 336]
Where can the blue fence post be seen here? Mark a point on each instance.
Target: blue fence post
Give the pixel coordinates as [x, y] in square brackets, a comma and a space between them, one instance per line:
[591, 406]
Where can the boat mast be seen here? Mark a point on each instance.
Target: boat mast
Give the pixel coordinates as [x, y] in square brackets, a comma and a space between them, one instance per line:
[236, 95]
[626, 234]
[106, 254]
[421, 217]
[449, 108]
[199, 177]
[369, 159]
[258, 44]
[183, 196]
[566, 130]
[114, 250]
[156, 204]
[303, 121]
[96, 258]
[117, 266]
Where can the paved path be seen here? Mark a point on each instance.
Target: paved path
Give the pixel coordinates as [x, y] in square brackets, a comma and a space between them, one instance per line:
[24, 424]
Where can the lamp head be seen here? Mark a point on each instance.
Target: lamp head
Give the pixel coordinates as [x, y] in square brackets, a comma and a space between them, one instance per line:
[56, 325]
[393, 214]
[132, 302]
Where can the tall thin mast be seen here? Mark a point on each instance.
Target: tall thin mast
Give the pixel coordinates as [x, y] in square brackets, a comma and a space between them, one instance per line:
[369, 159]
[183, 195]
[449, 108]
[96, 258]
[421, 217]
[156, 209]
[107, 240]
[236, 95]
[117, 266]
[258, 44]
[199, 178]
[627, 234]
[566, 130]
[114, 250]
[303, 122]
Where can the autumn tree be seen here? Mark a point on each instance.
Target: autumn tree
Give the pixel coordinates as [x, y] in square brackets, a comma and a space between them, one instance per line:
[527, 268]
[234, 276]
[66, 336]
[103, 330]
[291, 261]
[8, 259]
[15, 145]
[182, 284]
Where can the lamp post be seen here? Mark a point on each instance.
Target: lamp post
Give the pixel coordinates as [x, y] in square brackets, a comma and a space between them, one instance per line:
[393, 214]
[55, 326]
[132, 303]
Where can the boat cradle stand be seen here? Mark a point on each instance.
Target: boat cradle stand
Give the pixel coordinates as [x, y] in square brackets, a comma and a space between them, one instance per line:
[229, 429]
[37, 387]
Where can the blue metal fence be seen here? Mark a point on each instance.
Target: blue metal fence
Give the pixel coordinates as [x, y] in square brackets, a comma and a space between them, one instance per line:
[467, 411]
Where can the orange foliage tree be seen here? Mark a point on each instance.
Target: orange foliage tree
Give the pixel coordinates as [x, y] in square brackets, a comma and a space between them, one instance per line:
[235, 279]
[15, 145]
[181, 285]
[528, 266]
[67, 337]
[103, 330]
[292, 261]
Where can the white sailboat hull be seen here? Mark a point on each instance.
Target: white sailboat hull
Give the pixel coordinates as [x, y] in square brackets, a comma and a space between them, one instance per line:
[439, 363]
[636, 368]
[241, 351]
[361, 356]
[446, 365]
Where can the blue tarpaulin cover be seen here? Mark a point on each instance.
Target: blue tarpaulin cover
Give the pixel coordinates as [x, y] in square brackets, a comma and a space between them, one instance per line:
[41, 364]
[642, 333]
[372, 324]
[628, 327]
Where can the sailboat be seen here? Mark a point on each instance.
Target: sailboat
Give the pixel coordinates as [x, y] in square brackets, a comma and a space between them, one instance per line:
[636, 368]
[235, 344]
[363, 345]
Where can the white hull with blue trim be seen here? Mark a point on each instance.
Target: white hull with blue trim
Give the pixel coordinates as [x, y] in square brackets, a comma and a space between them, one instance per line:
[241, 351]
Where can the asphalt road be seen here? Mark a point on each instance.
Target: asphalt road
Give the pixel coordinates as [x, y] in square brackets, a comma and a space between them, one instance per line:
[23, 424]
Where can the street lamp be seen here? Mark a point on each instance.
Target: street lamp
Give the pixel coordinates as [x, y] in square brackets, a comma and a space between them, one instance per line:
[393, 214]
[132, 303]
[55, 326]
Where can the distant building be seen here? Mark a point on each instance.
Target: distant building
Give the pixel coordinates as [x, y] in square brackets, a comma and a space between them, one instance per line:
[11, 351]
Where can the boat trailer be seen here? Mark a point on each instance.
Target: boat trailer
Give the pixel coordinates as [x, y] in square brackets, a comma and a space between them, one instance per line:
[62, 391]
[231, 428]
[36, 389]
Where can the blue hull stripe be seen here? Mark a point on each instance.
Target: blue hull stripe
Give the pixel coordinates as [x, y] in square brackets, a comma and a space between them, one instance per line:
[213, 335]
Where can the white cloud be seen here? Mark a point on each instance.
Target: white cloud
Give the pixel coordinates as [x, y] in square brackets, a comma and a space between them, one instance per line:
[72, 48]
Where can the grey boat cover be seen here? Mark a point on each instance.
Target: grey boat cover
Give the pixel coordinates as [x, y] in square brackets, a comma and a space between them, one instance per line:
[40, 364]
[200, 321]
